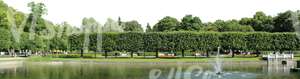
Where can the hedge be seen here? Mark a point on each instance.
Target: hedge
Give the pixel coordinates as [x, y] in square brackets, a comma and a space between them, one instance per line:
[153, 41]
[73, 56]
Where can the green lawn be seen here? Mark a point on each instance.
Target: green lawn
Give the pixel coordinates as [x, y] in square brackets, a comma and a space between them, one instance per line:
[297, 58]
[139, 59]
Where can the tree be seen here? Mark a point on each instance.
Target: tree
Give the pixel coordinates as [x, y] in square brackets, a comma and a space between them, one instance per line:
[148, 28]
[90, 25]
[35, 22]
[5, 40]
[210, 27]
[38, 44]
[190, 23]
[232, 25]
[3, 15]
[60, 40]
[166, 24]
[37, 9]
[133, 26]
[112, 26]
[283, 22]
[259, 22]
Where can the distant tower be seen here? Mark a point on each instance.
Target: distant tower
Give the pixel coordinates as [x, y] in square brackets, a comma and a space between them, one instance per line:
[119, 21]
[148, 28]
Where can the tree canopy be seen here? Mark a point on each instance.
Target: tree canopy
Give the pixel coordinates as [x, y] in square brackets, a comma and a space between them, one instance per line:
[166, 24]
[259, 22]
[132, 26]
[190, 23]
[283, 22]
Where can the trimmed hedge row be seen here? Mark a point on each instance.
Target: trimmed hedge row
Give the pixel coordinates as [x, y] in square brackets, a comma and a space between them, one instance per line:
[73, 56]
[134, 41]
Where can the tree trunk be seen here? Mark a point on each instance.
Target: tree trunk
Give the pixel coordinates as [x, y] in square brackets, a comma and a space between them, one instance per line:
[156, 53]
[131, 54]
[10, 52]
[144, 54]
[95, 55]
[81, 53]
[52, 55]
[232, 53]
[207, 53]
[25, 53]
[182, 53]
[257, 53]
[105, 54]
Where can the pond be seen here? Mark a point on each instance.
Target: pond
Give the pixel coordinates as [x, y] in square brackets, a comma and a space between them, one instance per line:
[97, 70]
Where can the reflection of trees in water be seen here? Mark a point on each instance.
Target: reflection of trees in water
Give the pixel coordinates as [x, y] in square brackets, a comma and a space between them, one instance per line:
[277, 66]
[9, 68]
[68, 70]
[93, 70]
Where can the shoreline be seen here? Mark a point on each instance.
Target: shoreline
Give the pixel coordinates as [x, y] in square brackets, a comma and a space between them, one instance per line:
[12, 58]
[132, 60]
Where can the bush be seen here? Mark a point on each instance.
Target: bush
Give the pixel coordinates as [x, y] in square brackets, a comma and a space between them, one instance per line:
[153, 41]
[73, 56]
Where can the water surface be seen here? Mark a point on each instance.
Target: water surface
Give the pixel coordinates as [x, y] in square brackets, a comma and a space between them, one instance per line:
[96, 70]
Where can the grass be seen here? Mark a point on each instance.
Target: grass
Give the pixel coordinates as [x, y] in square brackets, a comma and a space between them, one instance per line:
[297, 58]
[36, 58]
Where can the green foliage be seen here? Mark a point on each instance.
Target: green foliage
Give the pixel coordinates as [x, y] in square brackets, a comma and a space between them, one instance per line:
[232, 26]
[58, 43]
[73, 56]
[76, 41]
[5, 39]
[160, 37]
[132, 26]
[36, 44]
[195, 40]
[166, 24]
[190, 23]
[284, 22]
[259, 22]
[130, 41]
[153, 41]
[37, 9]
[232, 40]
[90, 25]
[35, 22]
[112, 26]
[109, 42]
[3, 15]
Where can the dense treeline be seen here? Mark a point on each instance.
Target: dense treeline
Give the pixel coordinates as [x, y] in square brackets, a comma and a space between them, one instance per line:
[31, 32]
[155, 41]
[260, 22]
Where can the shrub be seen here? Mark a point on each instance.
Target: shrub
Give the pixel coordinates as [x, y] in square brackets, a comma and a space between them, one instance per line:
[73, 56]
[153, 41]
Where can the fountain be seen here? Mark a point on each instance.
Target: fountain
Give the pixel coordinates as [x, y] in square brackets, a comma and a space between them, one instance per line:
[219, 74]
[218, 64]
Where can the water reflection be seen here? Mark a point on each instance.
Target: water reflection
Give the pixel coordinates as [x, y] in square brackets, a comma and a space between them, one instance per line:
[94, 70]
[279, 66]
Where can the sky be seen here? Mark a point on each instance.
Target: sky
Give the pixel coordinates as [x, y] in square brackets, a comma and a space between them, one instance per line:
[151, 11]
